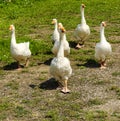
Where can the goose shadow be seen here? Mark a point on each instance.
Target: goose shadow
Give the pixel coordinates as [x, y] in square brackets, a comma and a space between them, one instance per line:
[72, 44]
[90, 64]
[49, 84]
[12, 66]
[48, 62]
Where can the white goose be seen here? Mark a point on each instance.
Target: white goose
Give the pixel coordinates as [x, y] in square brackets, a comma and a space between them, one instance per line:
[103, 48]
[19, 51]
[60, 67]
[55, 35]
[57, 43]
[82, 30]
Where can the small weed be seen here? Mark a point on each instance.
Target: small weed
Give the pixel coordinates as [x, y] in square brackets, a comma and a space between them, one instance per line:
[116, 89]
[3, 116]
[52, 115]
[13, 85]
[43, 72]
[2, 72]
[116, 73]
[95, 102]
[25, 70]
[96, 115]
[20, 111]
[4, 106]
[116, 114]
[42, 77]
[101, 82]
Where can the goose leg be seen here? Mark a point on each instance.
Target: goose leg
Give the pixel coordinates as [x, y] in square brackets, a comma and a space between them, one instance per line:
[103, 64]
[65, 88]
[27, 62]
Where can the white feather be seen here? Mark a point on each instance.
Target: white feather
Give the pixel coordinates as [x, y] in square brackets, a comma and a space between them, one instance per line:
[103, 48]
[82, 30]
[60, 67]
[19, 51]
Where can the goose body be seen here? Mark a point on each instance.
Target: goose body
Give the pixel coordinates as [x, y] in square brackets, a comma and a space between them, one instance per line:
[60, 67]
[82, 30]
[103, 48]
[19, 51]
[65, 44]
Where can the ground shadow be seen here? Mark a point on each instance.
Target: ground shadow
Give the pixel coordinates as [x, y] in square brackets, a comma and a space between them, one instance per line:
[33, 86]
[49, 84]
[40, 63]
[48, 62]
[11, 66]
[72, 44]
[90, 64]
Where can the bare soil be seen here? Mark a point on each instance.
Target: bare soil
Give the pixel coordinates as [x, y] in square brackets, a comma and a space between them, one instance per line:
[89, 83]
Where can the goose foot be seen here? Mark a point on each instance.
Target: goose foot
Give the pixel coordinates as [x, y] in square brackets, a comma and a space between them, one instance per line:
[79, 46]
[19, 69]
[65, 90]
[104, 64]
[18, 66]
[102, 67]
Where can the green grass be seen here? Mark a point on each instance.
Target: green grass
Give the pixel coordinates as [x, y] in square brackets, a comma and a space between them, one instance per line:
[116, 89]
[95, 102]
[13, 85]
[32, 20]
[20, 111]
[96, 115]
[116, 74]
[31, 17]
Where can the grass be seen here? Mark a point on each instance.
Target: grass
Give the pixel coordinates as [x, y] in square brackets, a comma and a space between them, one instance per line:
[13, 85]
[96, 115]
[117, 90]
[116, 73]
[95, 102]
[22, 96]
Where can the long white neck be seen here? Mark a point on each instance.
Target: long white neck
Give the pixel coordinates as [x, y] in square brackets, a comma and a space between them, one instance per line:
[102, 35]
[13, 39]
[61, 48]
[56, 25]
[83, 21]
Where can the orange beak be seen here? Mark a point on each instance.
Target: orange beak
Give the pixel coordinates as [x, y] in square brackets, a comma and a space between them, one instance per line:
[63, 29]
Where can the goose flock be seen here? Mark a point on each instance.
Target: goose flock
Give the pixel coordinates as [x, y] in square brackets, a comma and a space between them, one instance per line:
[60, 67]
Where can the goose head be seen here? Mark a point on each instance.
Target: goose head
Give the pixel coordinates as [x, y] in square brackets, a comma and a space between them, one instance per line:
[12, 28]
[83, 6]
[60, 25]
[54, 21]
[61, 28]
[103, 24]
